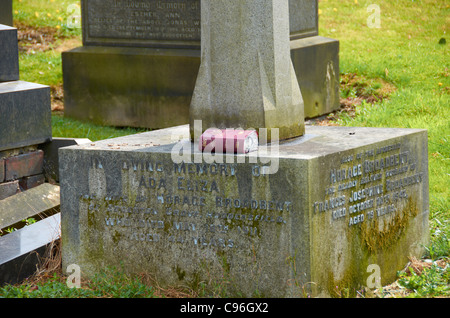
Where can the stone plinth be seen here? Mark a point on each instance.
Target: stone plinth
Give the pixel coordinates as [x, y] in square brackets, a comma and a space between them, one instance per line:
[246, 77]
[307, 216]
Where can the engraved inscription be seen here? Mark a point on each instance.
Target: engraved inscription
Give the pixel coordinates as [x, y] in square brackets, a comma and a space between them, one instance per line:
[372, 184]
[142, 20]
[185, 203]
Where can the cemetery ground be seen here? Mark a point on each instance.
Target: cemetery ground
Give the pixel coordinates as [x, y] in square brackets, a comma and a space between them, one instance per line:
[394, 73]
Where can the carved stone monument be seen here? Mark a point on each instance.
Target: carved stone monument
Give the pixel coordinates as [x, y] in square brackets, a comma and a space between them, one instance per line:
[152, 49]
[246, 78]
[309, 215]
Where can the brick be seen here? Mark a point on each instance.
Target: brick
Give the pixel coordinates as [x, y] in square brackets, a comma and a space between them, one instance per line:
[24, 165]
[2, 170]
[8, 189]
[31, 182]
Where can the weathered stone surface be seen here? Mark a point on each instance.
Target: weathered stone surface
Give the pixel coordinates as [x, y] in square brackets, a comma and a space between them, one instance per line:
[307, 215]
[23, 250]
[28, 204]
[25, 114]
[246, 77]
[316, 64]
[155, 23]
[30, 182]
[138, 87]
[6, 9]
[129, 86]
[9, 54]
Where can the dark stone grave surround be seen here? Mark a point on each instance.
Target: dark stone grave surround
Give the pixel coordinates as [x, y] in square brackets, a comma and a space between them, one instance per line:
[140, 59]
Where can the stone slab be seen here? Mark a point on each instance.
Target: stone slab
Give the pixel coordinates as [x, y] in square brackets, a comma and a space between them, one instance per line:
[23, 250]
[24, 165]
[135, 87]
[309, 215]
[316, 64]
[25, 114]
[51, 158]
[9, 54]
[27, 204]
[154, 23]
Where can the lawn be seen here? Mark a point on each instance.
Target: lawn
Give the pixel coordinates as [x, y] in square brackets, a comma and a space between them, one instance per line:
[397, 50]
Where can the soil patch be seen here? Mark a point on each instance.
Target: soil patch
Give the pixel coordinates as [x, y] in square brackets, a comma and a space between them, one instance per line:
[354, 90]
[32, 39]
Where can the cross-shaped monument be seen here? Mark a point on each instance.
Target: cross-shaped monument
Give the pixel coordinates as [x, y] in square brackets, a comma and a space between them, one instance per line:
[246, 78]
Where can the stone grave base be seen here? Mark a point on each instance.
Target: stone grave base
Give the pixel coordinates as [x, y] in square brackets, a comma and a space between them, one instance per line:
[152, 88]
[333, 211]
[135, 87]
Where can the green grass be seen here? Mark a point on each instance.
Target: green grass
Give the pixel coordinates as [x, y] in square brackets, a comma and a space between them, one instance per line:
[71, 128]
[110, 283]
[405, 51]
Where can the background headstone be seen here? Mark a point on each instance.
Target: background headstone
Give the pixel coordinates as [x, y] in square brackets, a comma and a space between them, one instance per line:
[9, 54]
[138, 66]
[26, 114]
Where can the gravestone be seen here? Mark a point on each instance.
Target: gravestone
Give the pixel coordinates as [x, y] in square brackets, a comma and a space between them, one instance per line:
[25, 121]
[6, 12]
[139, 62]
[309, 215]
